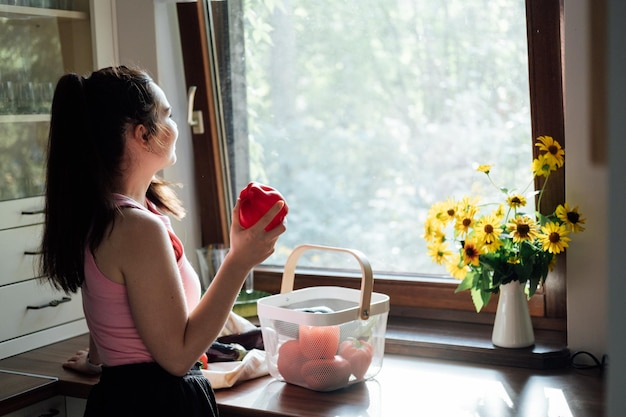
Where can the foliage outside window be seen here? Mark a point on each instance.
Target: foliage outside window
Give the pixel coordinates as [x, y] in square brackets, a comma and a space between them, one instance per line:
[364, 113]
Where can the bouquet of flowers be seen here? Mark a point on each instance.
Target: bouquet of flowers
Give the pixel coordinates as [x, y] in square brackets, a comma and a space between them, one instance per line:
[486, 250]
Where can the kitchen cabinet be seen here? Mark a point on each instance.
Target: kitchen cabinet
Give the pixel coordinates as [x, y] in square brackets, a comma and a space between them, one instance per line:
[54, 406]
[40, 40]
[58, 406]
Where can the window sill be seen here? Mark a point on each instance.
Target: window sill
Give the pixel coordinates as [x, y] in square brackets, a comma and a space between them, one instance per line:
[471, 342]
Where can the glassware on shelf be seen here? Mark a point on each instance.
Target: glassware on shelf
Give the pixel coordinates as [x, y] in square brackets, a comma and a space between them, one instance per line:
[7, 97]
[66, 4]
[45, 4]
[43, 97]
[25, 98]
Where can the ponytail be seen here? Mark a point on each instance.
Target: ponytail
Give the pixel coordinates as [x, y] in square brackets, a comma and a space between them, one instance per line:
[72, 186]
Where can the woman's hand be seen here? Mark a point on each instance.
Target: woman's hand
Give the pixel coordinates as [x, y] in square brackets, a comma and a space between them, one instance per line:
[79, 362]
[254, 245]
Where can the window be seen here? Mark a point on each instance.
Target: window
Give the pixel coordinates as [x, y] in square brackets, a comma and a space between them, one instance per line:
[363, 113]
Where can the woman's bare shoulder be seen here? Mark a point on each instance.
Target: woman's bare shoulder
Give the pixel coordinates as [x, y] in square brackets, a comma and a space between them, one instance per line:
[136, 237]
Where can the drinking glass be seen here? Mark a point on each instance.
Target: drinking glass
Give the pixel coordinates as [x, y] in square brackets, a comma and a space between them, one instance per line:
[210, 258]
[25, 97]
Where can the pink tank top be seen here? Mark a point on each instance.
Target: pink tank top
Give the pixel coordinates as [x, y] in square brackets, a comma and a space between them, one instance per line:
[106, 307]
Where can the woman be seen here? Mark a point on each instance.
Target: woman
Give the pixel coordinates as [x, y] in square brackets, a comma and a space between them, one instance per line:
[106, 234]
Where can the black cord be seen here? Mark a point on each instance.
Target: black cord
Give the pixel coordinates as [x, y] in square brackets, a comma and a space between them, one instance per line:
[597, 363]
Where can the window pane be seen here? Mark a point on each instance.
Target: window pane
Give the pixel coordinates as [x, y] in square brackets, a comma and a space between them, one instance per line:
[363, 113]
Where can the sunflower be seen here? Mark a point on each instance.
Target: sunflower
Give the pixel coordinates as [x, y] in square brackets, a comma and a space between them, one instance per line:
[488, 230]
[456, 268]
[471, 253]
[465, 220]
[553, 237]
[571, 218]
[446, 210]
[499, 212]
[490, 246]
[432, 230]
[552, 149]
[543, 165]
[439, 252]
[522, 228]
[516, 200]
[484, 168]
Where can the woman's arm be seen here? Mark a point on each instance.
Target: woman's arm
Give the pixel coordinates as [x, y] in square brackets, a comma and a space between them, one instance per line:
[175, 336]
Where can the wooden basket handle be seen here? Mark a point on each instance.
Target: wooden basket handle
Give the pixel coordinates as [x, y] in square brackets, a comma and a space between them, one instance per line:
[367, 279]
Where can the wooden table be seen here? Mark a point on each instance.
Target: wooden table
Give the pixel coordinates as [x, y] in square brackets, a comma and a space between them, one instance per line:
[406, 386]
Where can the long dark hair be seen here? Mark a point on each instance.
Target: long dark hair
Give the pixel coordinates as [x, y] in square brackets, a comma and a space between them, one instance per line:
[86, 144]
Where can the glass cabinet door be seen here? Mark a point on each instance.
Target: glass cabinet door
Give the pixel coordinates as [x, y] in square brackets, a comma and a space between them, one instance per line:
[33, 55]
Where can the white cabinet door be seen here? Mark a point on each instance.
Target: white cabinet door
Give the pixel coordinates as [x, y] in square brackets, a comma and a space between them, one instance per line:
[30, 306]
[22, 212]
[19, 253]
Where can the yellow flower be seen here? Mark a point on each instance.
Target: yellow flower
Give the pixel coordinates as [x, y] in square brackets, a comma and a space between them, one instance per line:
[471, 253]
[523, 228]
[433, 231]
[456, 268]
[439, 252]
[553, 237]
[490, 246]
[552, 149]
[465, 220]
[516, 200]
[468, 202]
[543, 165]
[484, 168]
[552, 263]
[499, 213]
[446, 210]
[488, 231]
[571, 218]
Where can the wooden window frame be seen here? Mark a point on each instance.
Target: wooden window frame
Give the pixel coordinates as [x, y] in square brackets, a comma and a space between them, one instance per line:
[420, 298]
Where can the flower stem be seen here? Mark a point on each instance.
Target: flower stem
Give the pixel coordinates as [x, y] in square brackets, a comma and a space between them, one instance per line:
[543, 188]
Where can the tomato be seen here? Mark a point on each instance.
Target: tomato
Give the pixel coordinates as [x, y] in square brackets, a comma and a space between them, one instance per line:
[326, 374]
[318, 342]
[359, 353]
[255, 200]
[289, 362]
[205, 361]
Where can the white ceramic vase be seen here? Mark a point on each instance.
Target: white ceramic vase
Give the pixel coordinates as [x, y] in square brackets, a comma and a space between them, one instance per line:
[512, 327]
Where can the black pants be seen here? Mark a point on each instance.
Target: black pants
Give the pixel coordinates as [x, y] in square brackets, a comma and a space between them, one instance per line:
[146, 389]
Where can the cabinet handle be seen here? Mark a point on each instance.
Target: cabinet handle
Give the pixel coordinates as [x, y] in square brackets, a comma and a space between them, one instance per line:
[52, 303]
[32, 252]
[32, 212]
[51, 412]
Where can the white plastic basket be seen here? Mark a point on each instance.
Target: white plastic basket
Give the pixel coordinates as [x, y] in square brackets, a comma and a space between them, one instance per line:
[324, 338]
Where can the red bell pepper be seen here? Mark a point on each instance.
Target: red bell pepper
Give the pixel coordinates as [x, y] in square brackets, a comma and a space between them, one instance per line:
[326, 374]
[290, 361]
[359, 353]
[255, 200]
[204, 359]
[318, 342]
